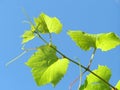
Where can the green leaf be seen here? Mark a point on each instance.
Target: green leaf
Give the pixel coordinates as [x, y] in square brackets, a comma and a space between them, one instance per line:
[107, 41]
[102, 71]
[46, 67]
[43, 24]
[103, 41]
[83, 86]
[48, 24]
[83, 40]
[27, 36]
[97, 86]
[118, 85]
[94, 86]
[94, 83]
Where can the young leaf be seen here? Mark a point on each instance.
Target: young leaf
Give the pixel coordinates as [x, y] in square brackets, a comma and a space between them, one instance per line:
[27, 36]
[103, 41]
[94, 83]
[107, 41]
[48, 24]
[46, 67]
[102, 71]
[118, 85]
[83, 40]
[97, 86]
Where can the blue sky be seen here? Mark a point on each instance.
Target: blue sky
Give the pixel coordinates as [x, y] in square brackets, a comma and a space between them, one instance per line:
[92, 16]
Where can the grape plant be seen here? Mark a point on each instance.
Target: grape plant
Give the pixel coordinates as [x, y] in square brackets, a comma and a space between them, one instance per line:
[46, 65]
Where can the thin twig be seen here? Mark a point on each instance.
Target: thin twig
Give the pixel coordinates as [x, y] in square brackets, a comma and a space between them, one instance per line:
[76, 79]
[27, 16]
[20, 55]
[50, 36]
[41, 38]
[14, 59]
[73, 82]
[92, 57]
[80, 82]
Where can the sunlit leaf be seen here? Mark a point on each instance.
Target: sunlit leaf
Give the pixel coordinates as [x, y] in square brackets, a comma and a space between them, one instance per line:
[102, 71]
[103, 41]
[27, 36]
[43, 24]
[107, 41]
[48, 24]
[83, 40]
[97, 86]
[94, 83]
[118, 85]
[46, 67]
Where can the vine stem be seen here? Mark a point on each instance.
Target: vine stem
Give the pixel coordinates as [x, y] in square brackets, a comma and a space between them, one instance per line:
[20, 55]
[91, 58]
[78, 64]
[11, 61]
[76, 79]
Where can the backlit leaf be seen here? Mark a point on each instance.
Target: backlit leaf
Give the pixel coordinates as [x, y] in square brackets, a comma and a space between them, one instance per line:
[27, 36]
[83, 40]
[43, 24]
[48, 24]
[107, 41]
[102, 71]
[46, 67]
[118, 85]
[97, 86]
[94, 83]
[103, 41]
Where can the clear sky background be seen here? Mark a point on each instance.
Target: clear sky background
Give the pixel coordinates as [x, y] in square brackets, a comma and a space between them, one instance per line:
[92, 16]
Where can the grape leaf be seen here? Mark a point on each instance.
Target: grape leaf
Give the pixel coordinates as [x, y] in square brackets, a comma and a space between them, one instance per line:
[94, 83]
[43, 24]
[102, 71]
[107, 41]
[97, 86]
[118, 85]
[46, 67]
[48, 24]
[83, 40]
[103, 41]
[27, 36]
